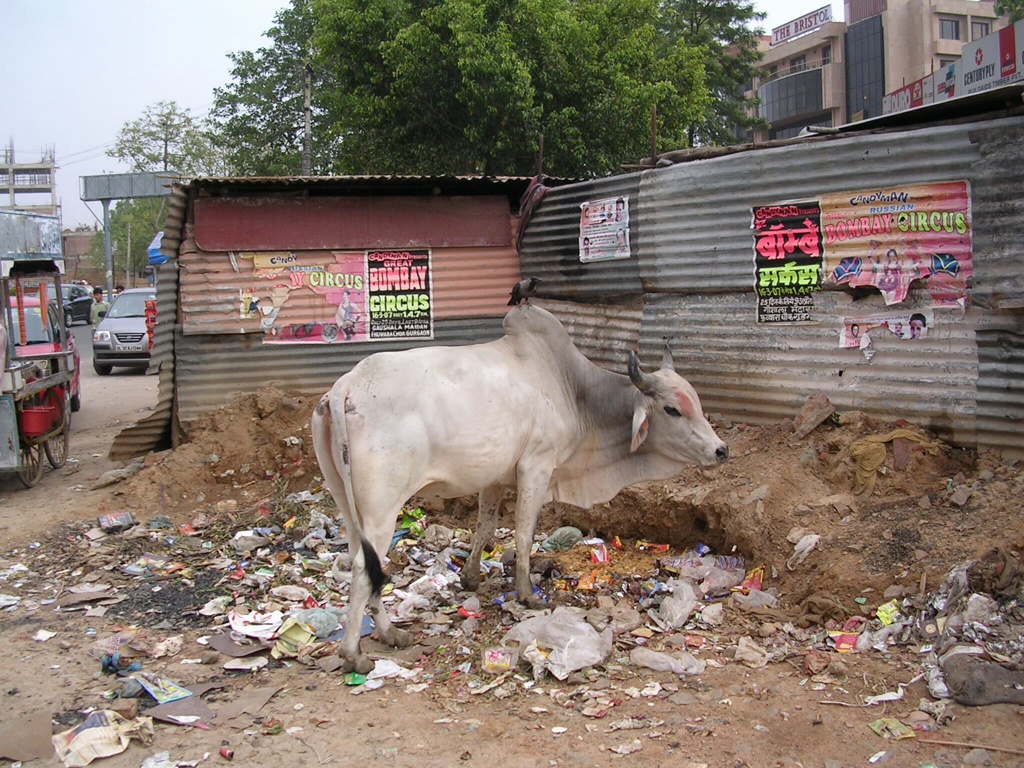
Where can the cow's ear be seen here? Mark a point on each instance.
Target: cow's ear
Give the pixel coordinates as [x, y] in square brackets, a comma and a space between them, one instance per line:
[639, 425]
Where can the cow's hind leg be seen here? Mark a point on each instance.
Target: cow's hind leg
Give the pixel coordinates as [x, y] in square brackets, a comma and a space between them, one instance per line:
[388, 632]
[359, 595]
[486, 522]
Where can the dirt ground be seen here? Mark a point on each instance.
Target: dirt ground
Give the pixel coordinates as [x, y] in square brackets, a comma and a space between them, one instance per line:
[932, 507]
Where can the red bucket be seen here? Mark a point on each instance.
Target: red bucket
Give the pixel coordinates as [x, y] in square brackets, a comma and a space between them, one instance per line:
[35, 421]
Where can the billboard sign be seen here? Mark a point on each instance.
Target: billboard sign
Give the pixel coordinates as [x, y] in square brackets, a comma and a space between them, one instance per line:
[804, 24]
[994, 60]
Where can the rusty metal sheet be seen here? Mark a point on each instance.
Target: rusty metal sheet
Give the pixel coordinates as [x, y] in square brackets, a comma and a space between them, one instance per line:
[467, 282]
[208, 366]
[604, 333]
[550, 248]
[266, 223]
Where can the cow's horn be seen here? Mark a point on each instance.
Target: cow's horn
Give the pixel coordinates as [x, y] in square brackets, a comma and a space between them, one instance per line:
[640, 380]
[666, 360]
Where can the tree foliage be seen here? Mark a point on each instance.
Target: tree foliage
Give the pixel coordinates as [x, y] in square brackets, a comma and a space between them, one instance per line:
[260, 115]
[469, 86]
[1012, 8]
[728, 30]
[167, 138]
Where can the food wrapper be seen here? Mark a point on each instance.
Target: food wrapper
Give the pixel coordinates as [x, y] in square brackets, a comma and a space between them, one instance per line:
[499, 659]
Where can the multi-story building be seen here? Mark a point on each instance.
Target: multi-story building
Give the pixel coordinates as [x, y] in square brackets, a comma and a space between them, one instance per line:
[816, 71]
[26, 186]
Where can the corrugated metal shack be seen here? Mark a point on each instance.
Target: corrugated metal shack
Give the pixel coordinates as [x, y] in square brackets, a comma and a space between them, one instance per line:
[259, 269]
[684, 266]
[689, 271]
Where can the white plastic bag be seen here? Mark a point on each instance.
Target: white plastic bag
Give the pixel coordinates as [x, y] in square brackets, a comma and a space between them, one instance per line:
[681, 664]
[676, 609]
[570, 641]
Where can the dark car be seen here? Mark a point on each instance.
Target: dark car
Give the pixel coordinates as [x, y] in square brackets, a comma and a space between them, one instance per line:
[77, 301]
[121, 337]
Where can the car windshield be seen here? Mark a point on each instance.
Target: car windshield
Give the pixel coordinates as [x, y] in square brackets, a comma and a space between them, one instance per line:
[130, 305]
[35, 331]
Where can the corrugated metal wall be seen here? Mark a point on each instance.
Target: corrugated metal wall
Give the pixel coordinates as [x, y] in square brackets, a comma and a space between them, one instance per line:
[604, 333]
[998, 199]
[153, 432]
[693, 255]
[998, 286]
[211, 368]
[467, 282]
[550, 248]
[695, 217]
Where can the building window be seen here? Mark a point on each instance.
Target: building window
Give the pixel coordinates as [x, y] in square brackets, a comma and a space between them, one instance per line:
[826, 55]
[773, 71]
[798, 64]
[979, 29]
[943, 63]
[949, 29]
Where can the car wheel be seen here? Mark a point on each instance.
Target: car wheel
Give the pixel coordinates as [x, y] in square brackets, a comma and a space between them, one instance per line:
[69, 318]
[102, 370]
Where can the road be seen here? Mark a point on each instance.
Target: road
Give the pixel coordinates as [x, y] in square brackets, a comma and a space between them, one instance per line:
[109, 403]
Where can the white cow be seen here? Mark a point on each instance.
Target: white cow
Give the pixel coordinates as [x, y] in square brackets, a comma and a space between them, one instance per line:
[527, 411]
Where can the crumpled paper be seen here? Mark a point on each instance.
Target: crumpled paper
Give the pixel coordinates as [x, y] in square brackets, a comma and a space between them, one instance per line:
[102, 734]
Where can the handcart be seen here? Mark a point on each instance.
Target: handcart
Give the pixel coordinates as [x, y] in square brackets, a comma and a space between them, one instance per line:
[38, 362]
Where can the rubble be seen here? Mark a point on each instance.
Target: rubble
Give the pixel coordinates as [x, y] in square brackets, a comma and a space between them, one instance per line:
[257, 589]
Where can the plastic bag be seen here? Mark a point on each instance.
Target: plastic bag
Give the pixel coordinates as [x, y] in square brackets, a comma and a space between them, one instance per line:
[573, 643]
[681, 664]
[719, 582]
[676, 609]
[756, 599]
[802, 549]
[562, 539]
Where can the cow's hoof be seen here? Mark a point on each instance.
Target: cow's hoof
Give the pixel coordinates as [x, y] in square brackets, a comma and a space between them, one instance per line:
[535, 602]
[362, 664]
[397, 638]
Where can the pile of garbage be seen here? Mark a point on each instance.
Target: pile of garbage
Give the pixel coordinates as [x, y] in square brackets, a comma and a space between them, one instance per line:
[268, 586]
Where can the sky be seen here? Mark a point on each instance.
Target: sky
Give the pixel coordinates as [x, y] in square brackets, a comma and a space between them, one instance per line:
[77, 71]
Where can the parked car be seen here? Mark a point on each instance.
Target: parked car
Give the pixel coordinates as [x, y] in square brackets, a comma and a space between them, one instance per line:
[77, 301]
[43, 340]
[121, 337]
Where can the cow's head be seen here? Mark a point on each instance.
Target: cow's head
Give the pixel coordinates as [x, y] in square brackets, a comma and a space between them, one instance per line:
[666, 401]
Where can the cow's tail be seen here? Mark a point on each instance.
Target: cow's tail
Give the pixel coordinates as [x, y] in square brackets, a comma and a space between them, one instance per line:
[332, 420]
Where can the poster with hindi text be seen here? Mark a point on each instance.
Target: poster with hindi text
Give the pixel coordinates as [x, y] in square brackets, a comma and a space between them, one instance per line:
[787, 260]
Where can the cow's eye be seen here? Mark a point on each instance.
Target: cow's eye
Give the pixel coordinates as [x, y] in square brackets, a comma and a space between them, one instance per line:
[672, 411]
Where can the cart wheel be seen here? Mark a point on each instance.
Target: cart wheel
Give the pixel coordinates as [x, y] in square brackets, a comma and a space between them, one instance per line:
[57, 446]
[31, 469]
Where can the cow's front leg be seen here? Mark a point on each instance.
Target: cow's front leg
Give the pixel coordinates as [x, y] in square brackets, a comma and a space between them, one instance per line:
[533, 485]
[486, 522]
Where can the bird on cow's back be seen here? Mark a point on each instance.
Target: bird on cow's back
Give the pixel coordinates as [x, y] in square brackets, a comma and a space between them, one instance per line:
[522, 291]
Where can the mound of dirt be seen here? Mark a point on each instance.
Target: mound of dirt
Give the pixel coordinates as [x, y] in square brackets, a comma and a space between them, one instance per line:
[931, 505]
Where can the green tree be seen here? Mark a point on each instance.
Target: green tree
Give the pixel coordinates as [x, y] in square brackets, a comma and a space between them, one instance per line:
[1012, 8]
[728, 30]
[260, 117]
[469, 86]
[133, 224]
[167, 138]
